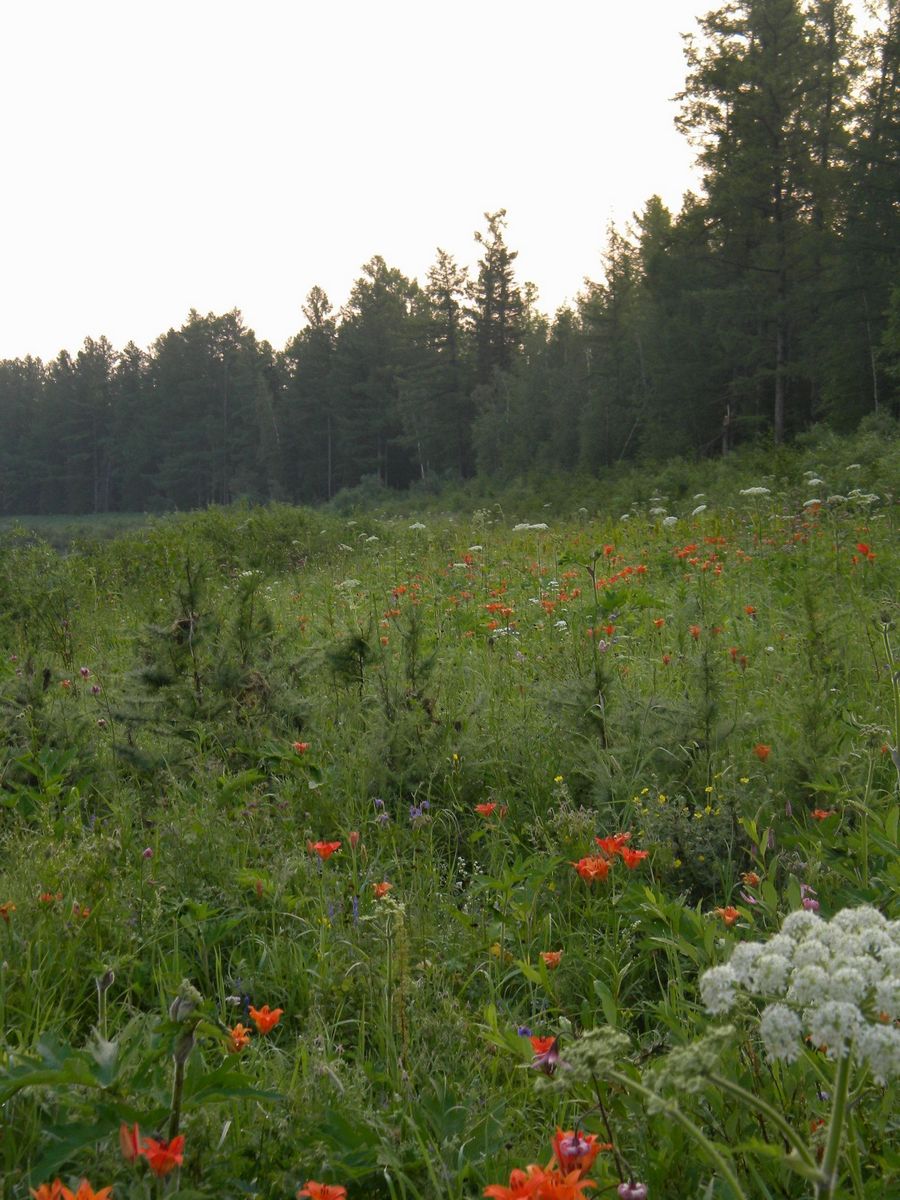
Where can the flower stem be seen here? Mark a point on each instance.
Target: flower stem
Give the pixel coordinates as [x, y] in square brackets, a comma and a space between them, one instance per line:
[621, 1165]
[674, 1112]
[177, 1090]
[786, 1130]
[828, 1185]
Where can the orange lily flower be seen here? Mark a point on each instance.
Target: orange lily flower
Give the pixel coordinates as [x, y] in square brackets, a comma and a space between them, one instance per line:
[591, 868]
[540, 1045]
[85, 1192]
[631, 858]
[611, 846]
[551, 958]
[322, 1191]
[238, 1039]
[47, 1191]
[729, 914]
[542, 1184]
[762, 751]
[522, 1186]
[130, 1142]
[265, 1018]
[381, 889]
[822, 814]
[162, 1157]
[750, 878]
[323, 849]
[6, 909]
[576, 1151]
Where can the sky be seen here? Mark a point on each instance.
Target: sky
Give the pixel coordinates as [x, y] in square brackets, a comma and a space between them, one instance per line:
[217, 155]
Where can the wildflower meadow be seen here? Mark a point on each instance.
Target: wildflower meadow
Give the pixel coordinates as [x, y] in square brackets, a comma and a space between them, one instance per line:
[529, 851]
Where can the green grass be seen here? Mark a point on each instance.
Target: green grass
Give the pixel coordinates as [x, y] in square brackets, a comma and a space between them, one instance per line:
[429, 671]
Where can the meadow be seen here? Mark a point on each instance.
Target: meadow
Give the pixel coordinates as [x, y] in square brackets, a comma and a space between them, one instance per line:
[544, 850]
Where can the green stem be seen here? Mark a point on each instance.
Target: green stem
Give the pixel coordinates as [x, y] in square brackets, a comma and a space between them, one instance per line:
[828, 1185]
[177, 1090]
[621, 1166]
[789, 1134]
[895, 684]
[719, 1161]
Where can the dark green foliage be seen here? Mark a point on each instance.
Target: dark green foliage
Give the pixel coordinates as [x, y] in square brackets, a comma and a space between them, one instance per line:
[769, 302]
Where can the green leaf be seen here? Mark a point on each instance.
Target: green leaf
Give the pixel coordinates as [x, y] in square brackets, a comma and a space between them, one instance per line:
[607, 1002]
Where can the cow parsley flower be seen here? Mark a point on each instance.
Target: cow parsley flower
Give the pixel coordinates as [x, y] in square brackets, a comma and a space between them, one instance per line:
[887, 998]
[808, 984]
[879, 1047]
[717, 989]
[781, 1033]
[833, 1025]
[743, 961]
[836, 983]
[771, 973]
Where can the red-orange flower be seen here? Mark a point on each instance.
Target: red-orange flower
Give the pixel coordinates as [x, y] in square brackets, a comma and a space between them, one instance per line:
[576, 1151]
[541, 1183]
[322, 1191]
[822, 814]
[85, 1192]
[47, 1191]
[592, 867]
[381, 889]
[163, 1157]
[130, 1142]
[265, 1018]
[611, 846]
[522, 1186]
[301, 747]
[729, 914]
[238, 1038]
[750, 878]
[631, 858]
[486, 810]
[6, 909]
[694, 631]
[540, 1045]
[552, 958]
[762, 751]
[323, 849]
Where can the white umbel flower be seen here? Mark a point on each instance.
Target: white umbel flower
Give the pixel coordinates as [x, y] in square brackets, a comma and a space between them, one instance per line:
[833, 1025]
[887, 998]
[717, 989]
[781, 1033]
[800, 924]
[808, 984]
[839, 981]
[879, 1047]
[772, 973]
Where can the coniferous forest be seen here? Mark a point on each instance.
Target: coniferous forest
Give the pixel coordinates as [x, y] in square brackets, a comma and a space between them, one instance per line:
[770, 302]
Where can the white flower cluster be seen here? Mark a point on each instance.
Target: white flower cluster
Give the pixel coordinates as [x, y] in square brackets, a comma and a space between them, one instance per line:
[755, 491]
[836, 982]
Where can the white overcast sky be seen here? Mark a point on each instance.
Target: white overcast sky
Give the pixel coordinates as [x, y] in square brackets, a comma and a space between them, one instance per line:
[162, 156]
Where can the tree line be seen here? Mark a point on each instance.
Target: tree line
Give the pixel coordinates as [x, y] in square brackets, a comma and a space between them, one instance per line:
[770, 301]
